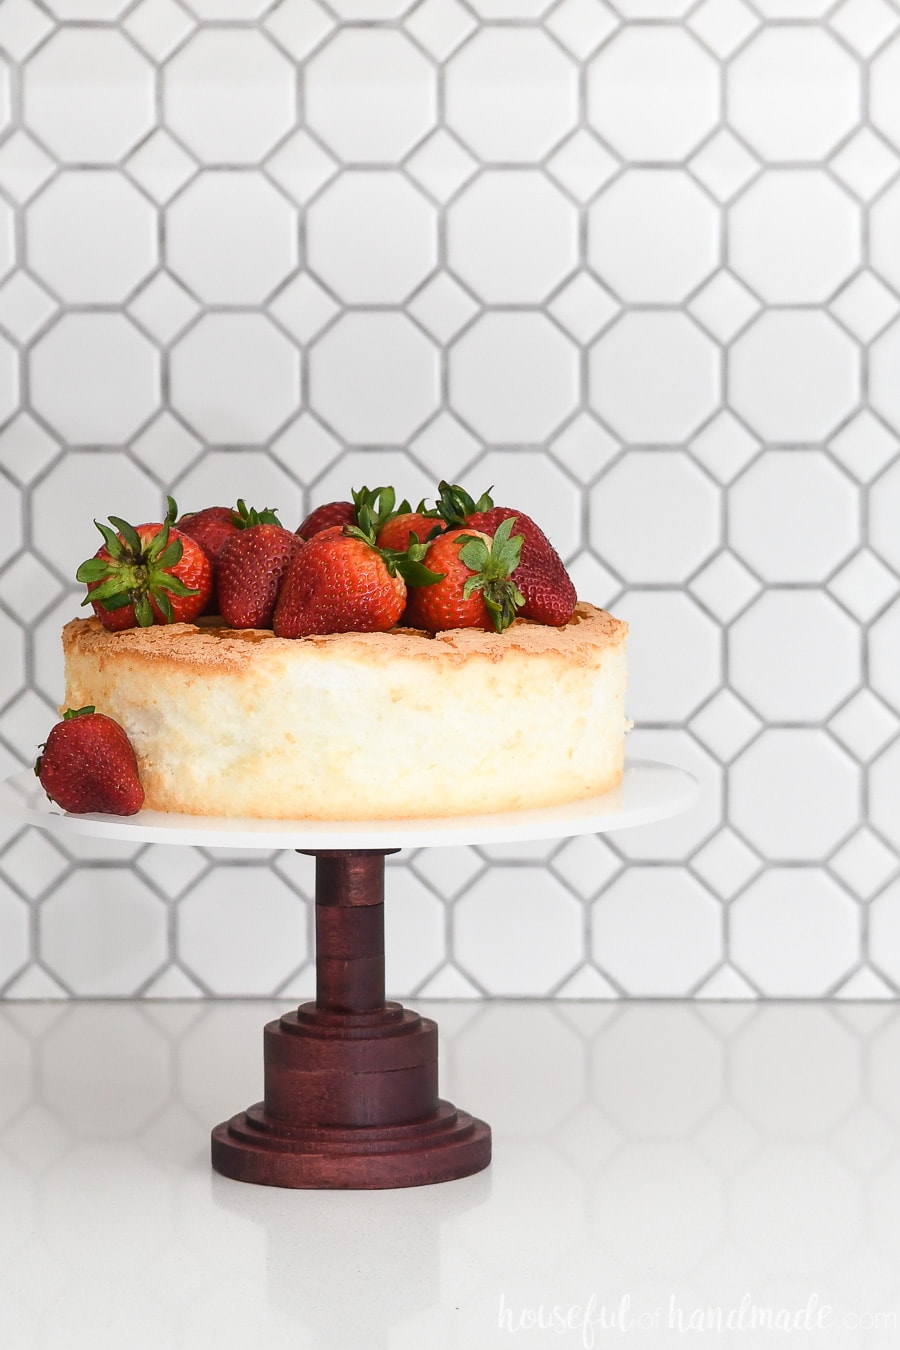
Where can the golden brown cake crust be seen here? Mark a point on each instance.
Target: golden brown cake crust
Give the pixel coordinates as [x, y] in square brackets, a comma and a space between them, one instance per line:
[207, 647]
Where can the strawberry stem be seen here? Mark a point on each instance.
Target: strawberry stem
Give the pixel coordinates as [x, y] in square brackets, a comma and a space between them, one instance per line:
[376, 506]
[454, 505]
[407, 564]
[246, 516]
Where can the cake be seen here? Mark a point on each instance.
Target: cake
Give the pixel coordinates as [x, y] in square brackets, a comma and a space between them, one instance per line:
[355, 726]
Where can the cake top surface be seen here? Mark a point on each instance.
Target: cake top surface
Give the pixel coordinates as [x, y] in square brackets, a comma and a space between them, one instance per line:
[214, 647]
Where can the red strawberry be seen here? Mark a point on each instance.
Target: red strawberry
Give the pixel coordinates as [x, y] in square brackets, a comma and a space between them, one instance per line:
[398, 530]
[251, 566]
[213, 527]
[476, 589]
[541, 576]
[368, 511]
[146, 574]
[339, 582]
[326, 517]
[89, 764]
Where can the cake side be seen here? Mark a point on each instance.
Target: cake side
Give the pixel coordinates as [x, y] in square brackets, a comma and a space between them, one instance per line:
[360, 725]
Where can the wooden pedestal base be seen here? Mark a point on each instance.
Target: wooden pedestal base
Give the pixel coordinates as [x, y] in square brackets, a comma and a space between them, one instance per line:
[351, 1082]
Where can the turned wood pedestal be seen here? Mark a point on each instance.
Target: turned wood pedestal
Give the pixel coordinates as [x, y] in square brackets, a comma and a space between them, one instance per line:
[351, 1082]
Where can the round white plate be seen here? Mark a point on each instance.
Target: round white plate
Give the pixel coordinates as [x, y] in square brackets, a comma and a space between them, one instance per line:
[649, 792]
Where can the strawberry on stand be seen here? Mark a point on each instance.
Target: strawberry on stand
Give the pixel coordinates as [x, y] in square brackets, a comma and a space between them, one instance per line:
[477, 587]
[326, 517]
[541, 576]
[340, 581]
[346, 513]
[404, 525]
[146, 574]
[250, 570]
[372, 509]
[214, 527]
[89, 764]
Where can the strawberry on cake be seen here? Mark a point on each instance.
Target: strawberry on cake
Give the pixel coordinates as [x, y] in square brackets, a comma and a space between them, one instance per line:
[380, 663]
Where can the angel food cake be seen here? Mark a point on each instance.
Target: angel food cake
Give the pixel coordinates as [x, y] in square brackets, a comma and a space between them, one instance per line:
[360, 725]
[377, 662]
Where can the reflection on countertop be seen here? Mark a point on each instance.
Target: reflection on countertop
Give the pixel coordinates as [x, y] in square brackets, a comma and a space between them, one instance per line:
[664, 1173]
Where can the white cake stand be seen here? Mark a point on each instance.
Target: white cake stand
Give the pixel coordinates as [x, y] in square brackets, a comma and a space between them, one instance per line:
[351, 1089]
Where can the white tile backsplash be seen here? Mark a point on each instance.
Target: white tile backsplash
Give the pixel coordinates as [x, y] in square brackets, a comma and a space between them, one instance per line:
[634, 263]
[250, 252]
[794, 794]
[515, 930]
[653, 93]
[794, 236]
[818, 930]
[220, 925]
[229, 95]
[95, 119]
[794, 375]
[687, 919]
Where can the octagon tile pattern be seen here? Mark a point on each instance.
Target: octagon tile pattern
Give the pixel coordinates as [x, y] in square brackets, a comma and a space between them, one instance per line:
[653, 93]
[88, 95]
[228, 95]
[251, 250]
[635, 264]
[512, 236]
[92, 236]
[653, 236]
[371, 238]
[795, 236]
[793, 93]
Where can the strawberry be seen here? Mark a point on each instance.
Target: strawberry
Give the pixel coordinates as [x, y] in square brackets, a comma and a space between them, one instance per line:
[541, 576]
[404, 525]
[326, 517]
[146, 574]
[368, 511]
[213, 527]
[476, 589]
[89, 764]
[251, 566]
[340, 582]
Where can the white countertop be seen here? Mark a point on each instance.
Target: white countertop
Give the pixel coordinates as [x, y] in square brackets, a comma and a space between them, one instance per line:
[654, 1164]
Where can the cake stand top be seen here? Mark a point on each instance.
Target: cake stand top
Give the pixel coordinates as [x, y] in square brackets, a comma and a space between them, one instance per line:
[650, 791]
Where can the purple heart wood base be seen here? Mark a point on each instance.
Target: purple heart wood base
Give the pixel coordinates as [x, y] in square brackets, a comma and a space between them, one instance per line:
[351, 1082]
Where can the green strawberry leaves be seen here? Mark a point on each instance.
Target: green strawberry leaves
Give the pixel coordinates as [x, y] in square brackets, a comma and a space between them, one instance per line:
[411, 569]
[492, 570]
[454, 504]
[246, 516]
[129, 534]
[375, 506]
[408, 564]
[136, 573]
[92, 570]
[243, 516]
[498, 561]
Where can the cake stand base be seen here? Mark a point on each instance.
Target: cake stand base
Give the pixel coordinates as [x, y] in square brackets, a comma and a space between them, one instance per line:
[351, 1082]
[448, 1145]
